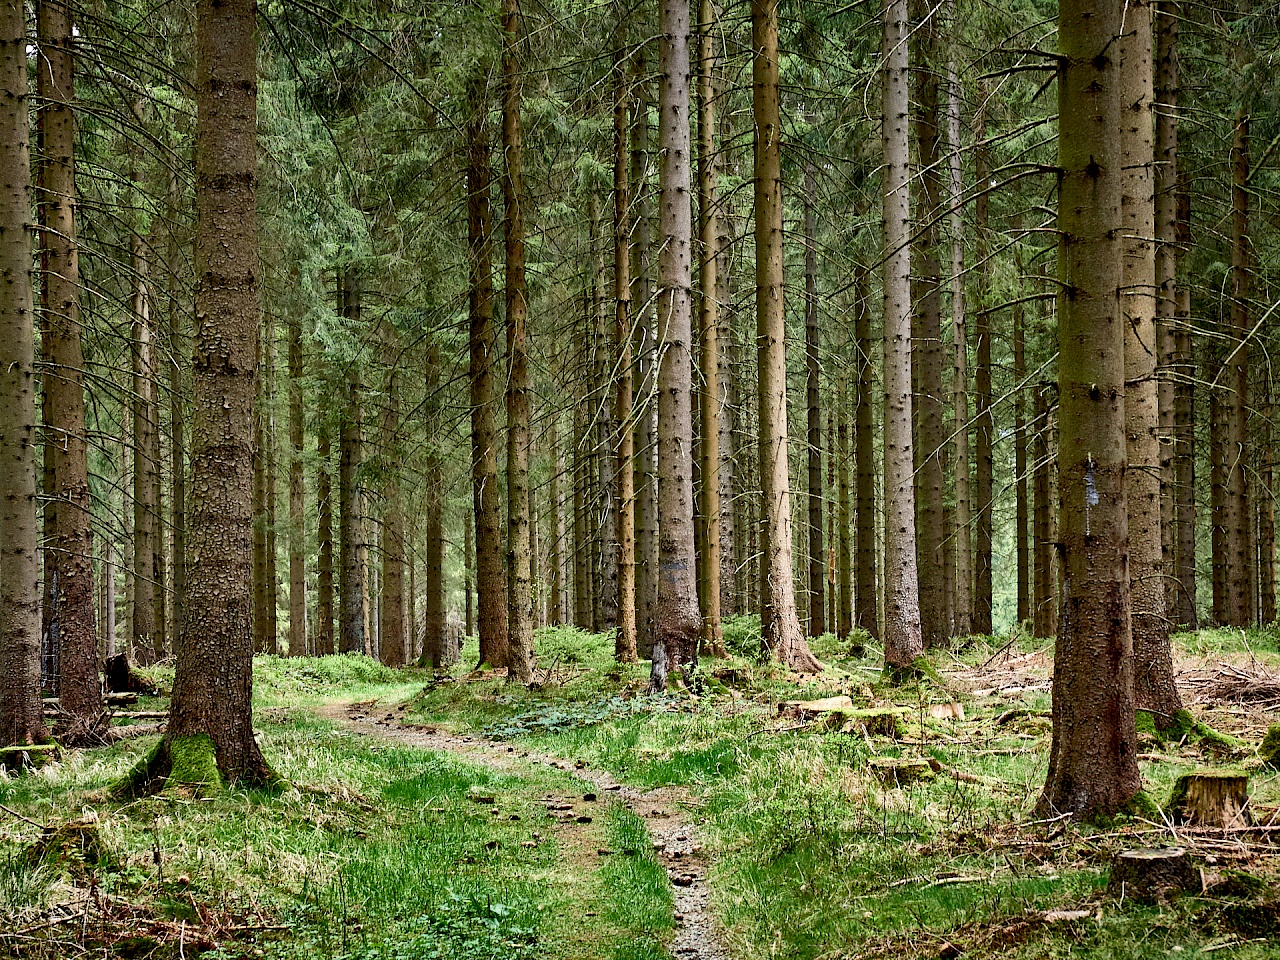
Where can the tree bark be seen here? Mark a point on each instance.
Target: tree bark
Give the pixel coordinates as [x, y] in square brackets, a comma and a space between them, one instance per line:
[783, 635]
[963, 624]
[726, 417]
[813, 408]
[352, 586]
[393, 639]
[1022, 507]
[146, 480]
[903, 641]
[21, 711]
[491, 598]
[845, 537]
[324, 644]
[519, 573]
[625, 645]
[1093, 765]
[983, 431]
[69, 553]
[213, 681]
[1044, 609]
[866, 607]
[297, 494]
[677, 621]
[268, 378]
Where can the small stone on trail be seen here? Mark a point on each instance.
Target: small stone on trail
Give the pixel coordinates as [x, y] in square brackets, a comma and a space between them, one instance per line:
[683, 880]
[589, 797]
[604, 852]
[614, 786]
[511, 749]
[584, 819]
[581, 765]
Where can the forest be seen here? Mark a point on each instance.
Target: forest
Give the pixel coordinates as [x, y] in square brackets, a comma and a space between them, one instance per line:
[692, 479]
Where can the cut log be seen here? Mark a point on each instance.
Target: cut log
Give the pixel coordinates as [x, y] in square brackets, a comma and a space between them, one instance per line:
[897, 771]
[1153, 876]
[30, 755]
[809, 709]
[1211, 798]
[123, 676]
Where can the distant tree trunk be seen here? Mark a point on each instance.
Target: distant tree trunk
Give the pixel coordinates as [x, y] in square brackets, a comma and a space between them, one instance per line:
[926, 352]
[261, 634]
[468, 574]
[845, 537]
[783, 635]
[709, 331]
[725, 420]
[1266, 508]
[677, 621]
[21, 712]
[604, 451]
[865, 593]
[960, 348]
[555, 605]
[1185, 466]
[268, 378]
[902, 632]
[297, 495]
[483, 345]
[351, 572]
[983, 428]
[813, 368]
[393, 639]
[436, 651]
[624, 440]
[581, 546]
[1044, 611]
[145, 464]
[69, 554]
[519, 573]
[213, 681]
[1022, 507]
[1154, 688]
[323, 644]
[1093, 764]
[646, 357]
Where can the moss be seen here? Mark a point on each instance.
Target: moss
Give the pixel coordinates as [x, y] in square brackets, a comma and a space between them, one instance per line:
[1184, 726]
[193, 762]
[1141, 805]
[1270, 749]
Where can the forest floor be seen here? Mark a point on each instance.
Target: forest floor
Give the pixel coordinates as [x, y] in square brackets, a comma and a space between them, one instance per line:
[453, 816]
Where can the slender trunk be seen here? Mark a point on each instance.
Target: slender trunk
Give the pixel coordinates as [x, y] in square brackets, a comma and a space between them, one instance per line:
[1185, 467]
[519, 574]
[783, 635]
[69, 554]
[865, 594]
[297, 495]
[1022, 506]
[145, 441]
[268, 376]
[677, 621]
[393, 639]
[468, 577]
[261, 636]
[178, 350]
[1044, 611]
[21, 715]
[351, 571]
[437, 650]
[960, 348]
[1266, 509]
[845, 537]
[491, 598]
[983, 432]
[324, 644]
[903, 641]
[813, 407]
[604, 402]
[625, 645]
[726, 416]
[1093, 764]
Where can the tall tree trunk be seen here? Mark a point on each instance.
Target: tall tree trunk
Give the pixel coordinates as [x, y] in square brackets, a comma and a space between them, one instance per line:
[179, 351]
[267, 376]
[394, 640]
[69, 554]
[646, 359]
[21, 713]
[903, 641]
[468, 577]
[1093, 763]
[519, 579]
[604, 452]
[555, 605]
[352, 586]
[726, 415]
[813, 407]
[677, 621]
[1044, 611]
[624, 440]
[983, 430]
[324, 644]
[783, 635]
[960, 352]
[491, 596]
[297, 495]
[213, 681]
[926, 353]
[1153, 685]
[865, 593]
[145, 466]
[261, 634]
[845, 537]
[1184, 467]
[1266, 508]
[1022, 506]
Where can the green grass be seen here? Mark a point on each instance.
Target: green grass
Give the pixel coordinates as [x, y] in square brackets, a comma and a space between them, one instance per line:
[636, 888]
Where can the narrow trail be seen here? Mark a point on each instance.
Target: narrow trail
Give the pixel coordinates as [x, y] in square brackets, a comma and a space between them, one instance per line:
[674, 835]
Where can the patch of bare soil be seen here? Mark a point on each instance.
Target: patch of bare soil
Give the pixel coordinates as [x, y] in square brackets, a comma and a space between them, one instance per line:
[675, 835]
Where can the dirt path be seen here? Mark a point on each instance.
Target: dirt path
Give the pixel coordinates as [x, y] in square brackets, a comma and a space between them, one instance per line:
[675, 837]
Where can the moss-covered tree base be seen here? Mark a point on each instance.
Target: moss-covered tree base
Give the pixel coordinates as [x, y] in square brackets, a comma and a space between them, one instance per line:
[1270, 749]
[1183, 726]
[184, 764]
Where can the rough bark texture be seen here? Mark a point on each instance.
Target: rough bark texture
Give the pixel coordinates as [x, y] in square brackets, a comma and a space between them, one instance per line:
[902, 631]
[69, 552]
[1154, 689]
[709, 333]
[1022, 507]
[1093, 765]
[491, 598]
[624, 441]
[603, 449]
[297, 495]
[324, 644]
[865, 592]
[352, 627]
[519, 573]
[21, 712]
[146, 477]
[213, 681]
[845, 538]
[727, 415]
[1044, 609]
[963, 623]
[677, 621]
[983, 430]
[179, 350]
[782, 632]
[267, 376]
[813, 408]
[393, 638]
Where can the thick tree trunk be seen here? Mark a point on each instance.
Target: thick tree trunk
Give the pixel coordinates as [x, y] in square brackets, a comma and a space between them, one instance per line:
[324, 644]
[1093, 764]
[69, 553]
[926, 352]
[963, 624]
[624, 440]
[213, 682]
[677, 621]
[709, 332]
[866, 607]
[21, 714]
[519, 571]
[491, 597]
[1154, 689]
[902, 631]
[352, 584]
[813, 408]
[983, 431]
[783, 635]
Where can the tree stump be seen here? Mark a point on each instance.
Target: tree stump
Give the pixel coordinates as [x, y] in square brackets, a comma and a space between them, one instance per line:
[896, 772]
[1152, 876]
[1211, 798]
[122, 676]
